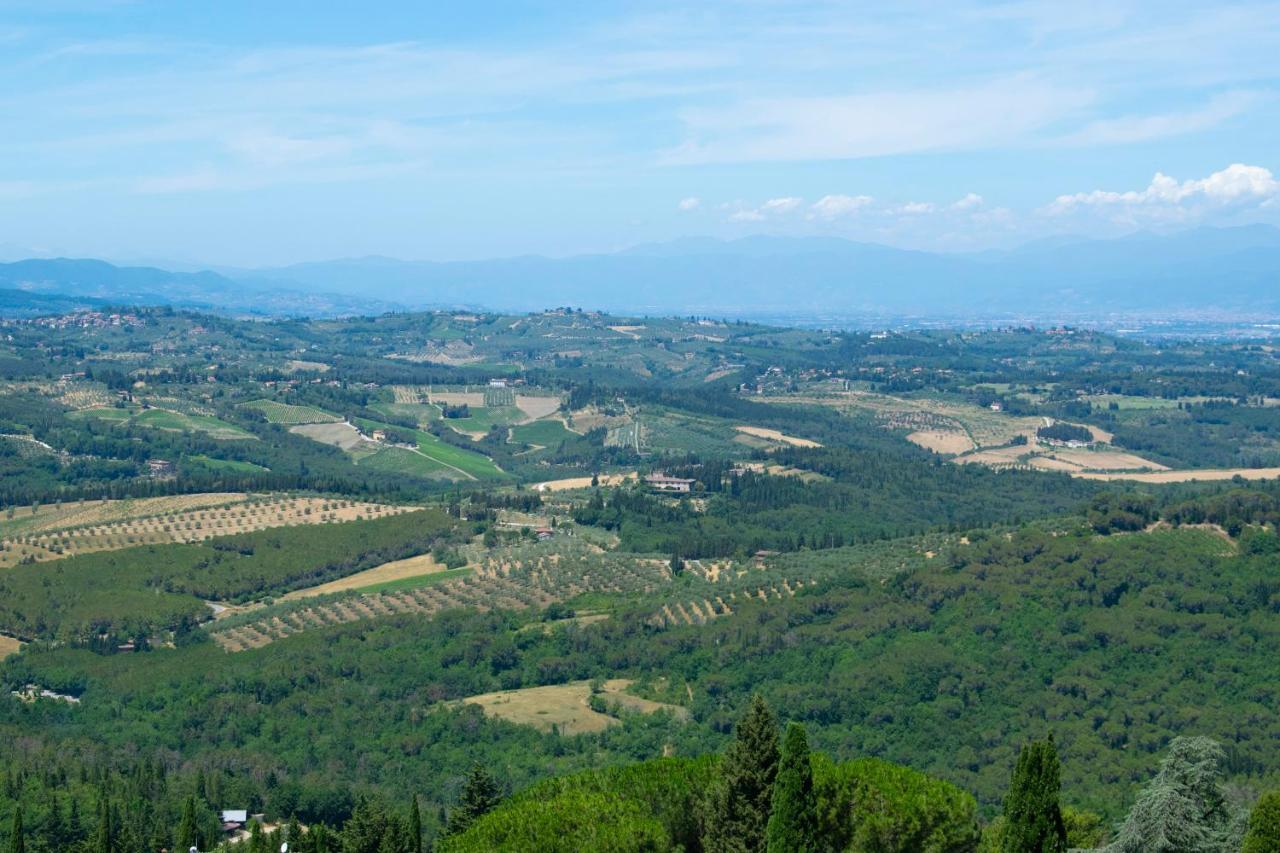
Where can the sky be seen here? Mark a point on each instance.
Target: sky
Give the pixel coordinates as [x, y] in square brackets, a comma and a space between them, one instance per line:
[257, 134]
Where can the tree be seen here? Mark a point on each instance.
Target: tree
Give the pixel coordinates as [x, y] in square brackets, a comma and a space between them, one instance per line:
[188, 836]
[415, 826]
[792, 824]
[480, 793]
[1183, 807]
[1032, 814]
[17, 842]
[739, 803]
[1263, 835]
[103, 836]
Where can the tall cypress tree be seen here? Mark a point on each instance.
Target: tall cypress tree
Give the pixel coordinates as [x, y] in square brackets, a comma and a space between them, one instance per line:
[188, 835]
[1032, 814]
[739, 803]
[793, 819]
[17, 843]
[480, 793]
[415, 826]
[104, 834]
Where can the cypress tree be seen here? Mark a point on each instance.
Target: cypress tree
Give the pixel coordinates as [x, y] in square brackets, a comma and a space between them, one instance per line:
[103, 836]
[187, 834]
[415, 826]
[739, 803]
[1032, 814]
[1263, 835]
[794, 816]
[17, 844]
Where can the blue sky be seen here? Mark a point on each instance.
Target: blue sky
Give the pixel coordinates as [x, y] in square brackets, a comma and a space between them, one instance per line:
[268, 133]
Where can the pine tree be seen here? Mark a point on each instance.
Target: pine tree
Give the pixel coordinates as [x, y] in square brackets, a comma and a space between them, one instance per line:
[187, 834]
[794, 815]
[17, 842]
[415, 826]
[480, 793]
[1034, 818]
[739, 802]
[1264, 825]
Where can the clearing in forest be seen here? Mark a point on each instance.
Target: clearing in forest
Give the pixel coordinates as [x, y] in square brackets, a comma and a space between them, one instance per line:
[8, 646]
[565, 707]
[412, 567]
[775, 435]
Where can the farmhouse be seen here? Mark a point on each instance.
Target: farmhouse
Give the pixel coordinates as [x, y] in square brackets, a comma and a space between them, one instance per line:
[663, 483]
[160, 468]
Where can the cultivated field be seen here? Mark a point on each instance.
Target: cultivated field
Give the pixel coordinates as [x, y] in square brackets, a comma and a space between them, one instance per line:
[775, 435]
[284, 413]
[1185, 476]
[166, 419]
[583, 482]
[340, 434]
[412, 567]
[565, 707]
[112, 525]
[947, 442]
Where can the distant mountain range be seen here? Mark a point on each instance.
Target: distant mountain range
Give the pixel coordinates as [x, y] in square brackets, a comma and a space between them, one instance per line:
[1207, 270]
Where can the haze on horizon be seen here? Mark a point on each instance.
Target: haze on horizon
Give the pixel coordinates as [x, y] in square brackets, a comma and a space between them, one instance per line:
[246, 136]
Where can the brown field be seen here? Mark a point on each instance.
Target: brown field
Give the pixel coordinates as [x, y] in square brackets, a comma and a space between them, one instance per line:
[1106, 460]
[9, 646]
[775, 435]
[629, 331]
[1184, 476]
[423, 564]
[459, 398]
[564, 706]
[941, 441]
[535, 407]
[583, 482]
[112, 525]
[340, 434]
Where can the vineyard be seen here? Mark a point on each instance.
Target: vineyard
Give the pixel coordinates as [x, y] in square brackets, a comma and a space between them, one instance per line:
[284, 413]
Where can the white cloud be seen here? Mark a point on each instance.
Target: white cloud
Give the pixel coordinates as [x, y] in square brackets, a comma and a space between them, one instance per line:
[782, 205]
[969, 202]
[915, 208]
[690, 203]
[748, 215]
[1003, 112]
[1128, 129]
[1238, 184]
[837, 205]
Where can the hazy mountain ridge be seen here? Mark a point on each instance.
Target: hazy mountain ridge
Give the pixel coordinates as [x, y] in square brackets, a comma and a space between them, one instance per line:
[1206, 269]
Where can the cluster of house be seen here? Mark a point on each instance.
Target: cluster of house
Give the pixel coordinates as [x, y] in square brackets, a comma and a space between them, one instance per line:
[85, 320]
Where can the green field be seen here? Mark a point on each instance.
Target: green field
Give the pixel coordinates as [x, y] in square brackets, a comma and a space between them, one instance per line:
[423, 413]
[544, 433]
[472, 464]
[416, 581]
[173, 421]
[235, 466]
[285, 413]
[484, 418]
